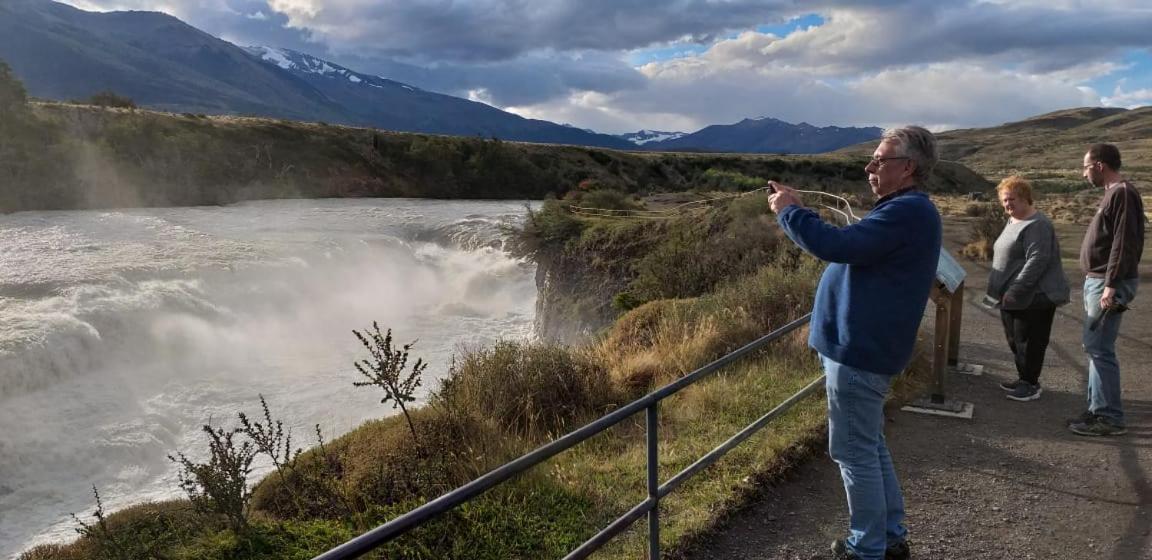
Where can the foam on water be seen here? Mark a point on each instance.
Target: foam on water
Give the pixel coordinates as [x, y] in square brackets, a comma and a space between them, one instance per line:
[121, 333]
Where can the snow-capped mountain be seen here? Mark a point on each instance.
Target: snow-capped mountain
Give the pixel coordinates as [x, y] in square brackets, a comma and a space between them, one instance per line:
[398, 106]
[307, 64]
[643, 137]
[61, 52]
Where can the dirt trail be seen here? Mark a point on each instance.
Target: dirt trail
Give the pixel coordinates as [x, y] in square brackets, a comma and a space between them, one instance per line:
[1012, 483]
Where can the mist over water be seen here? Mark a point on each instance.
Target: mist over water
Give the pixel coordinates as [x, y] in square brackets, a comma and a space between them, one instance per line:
[122, 332]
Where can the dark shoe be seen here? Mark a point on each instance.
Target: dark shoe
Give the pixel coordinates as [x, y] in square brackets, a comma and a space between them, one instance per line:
[1098, 426]
[1025, 391]
[898, 551]
[1086, 416]
[1012, 385]
[840, 551]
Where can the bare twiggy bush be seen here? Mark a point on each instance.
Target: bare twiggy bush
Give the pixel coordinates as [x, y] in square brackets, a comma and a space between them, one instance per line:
[273, 441]
[221, 485]
[386, 370]
[108, 544]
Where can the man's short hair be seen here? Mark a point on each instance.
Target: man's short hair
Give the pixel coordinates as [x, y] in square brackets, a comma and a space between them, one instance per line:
[1108, 154]
[918, 145]
[1016, 185]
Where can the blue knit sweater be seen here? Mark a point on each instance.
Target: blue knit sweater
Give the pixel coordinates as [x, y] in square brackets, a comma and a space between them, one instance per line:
[873, 292]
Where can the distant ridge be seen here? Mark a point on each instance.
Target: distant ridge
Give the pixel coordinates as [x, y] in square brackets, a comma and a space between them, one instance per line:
[767, 135]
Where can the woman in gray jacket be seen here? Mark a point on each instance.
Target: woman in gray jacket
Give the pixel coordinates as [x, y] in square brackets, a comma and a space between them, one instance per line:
[1028, 281]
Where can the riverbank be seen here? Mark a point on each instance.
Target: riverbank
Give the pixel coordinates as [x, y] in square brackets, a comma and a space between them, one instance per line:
[499, 401]
[58, 156]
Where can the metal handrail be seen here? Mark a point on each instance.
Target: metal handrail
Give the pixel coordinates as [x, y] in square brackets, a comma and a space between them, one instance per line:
[650, 403]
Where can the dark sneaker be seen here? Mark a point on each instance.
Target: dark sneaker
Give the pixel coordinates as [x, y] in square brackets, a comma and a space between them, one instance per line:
[1012, 385]
[840, 551]
[1097, 426]
[1085, 417]
[898, 551]
[1025, 391]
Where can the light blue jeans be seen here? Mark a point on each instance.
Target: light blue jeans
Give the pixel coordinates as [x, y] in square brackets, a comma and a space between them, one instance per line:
[856, 443]
[1100, 344]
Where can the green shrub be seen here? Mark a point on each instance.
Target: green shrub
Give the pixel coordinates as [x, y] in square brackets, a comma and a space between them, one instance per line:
[379, 464]
[74, 551]
[603, 199]
[12, 94]
[989, 222]
[983, 209]
[723, 180]
[544, 231]
[109, 98]
[220, 486]
[697, 252]
[532, 390]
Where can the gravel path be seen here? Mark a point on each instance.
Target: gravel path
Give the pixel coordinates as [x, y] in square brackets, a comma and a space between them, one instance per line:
[1012, 483]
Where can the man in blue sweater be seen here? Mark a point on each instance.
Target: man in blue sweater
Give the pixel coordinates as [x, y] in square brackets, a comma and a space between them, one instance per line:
[864, 322]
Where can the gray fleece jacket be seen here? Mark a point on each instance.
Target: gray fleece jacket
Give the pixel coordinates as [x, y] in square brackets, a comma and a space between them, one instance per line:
[1026, 262]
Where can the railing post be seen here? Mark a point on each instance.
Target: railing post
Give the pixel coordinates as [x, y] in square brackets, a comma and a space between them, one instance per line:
[653, 420]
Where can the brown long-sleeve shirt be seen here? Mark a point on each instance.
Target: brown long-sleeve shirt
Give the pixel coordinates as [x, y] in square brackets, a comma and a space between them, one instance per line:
[1114, 242]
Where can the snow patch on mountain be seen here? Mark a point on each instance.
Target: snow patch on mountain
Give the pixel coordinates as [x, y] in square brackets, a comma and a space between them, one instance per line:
[642, 137]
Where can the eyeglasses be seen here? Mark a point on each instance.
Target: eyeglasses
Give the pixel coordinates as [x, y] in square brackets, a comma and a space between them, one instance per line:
[879, 162]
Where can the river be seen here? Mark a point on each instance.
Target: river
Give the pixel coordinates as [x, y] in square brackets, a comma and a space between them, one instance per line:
[122, 332]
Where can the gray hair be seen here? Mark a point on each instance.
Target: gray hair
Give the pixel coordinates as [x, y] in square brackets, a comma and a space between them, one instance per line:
[918, 145]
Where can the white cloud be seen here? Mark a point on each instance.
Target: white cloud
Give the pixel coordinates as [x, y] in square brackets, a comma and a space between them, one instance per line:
[1129, 99]
[871, 62]
[689, 94]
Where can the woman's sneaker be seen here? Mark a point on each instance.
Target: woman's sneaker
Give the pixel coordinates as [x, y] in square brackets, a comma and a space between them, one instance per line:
[1098, 426]
[1025, 391]
[1011, 385]
[1085, 416]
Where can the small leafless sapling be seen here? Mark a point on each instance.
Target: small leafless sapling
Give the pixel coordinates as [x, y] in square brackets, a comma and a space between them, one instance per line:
[386, 370]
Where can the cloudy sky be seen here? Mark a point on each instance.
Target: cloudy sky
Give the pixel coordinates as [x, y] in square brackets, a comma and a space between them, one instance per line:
[679, 65]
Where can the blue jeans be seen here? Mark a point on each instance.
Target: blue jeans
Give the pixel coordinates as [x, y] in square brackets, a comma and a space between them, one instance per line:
[1100, 344]
[856, 443]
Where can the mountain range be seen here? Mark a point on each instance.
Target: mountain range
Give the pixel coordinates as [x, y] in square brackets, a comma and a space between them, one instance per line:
[160, 62]
[762, 135]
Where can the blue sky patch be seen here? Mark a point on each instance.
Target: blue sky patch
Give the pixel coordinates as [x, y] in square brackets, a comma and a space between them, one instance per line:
[684, 50]
[1137, 75]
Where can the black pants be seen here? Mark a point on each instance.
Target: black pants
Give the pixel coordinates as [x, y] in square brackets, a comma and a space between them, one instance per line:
[1027, 331]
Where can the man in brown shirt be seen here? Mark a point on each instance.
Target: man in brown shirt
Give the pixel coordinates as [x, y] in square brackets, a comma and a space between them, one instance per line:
[1109, 256]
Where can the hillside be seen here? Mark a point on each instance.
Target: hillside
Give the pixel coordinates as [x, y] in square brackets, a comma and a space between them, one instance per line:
[63, 156]
[1048, 148]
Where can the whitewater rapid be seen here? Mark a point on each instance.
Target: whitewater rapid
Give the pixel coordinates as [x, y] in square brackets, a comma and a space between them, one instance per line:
[122, 332]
